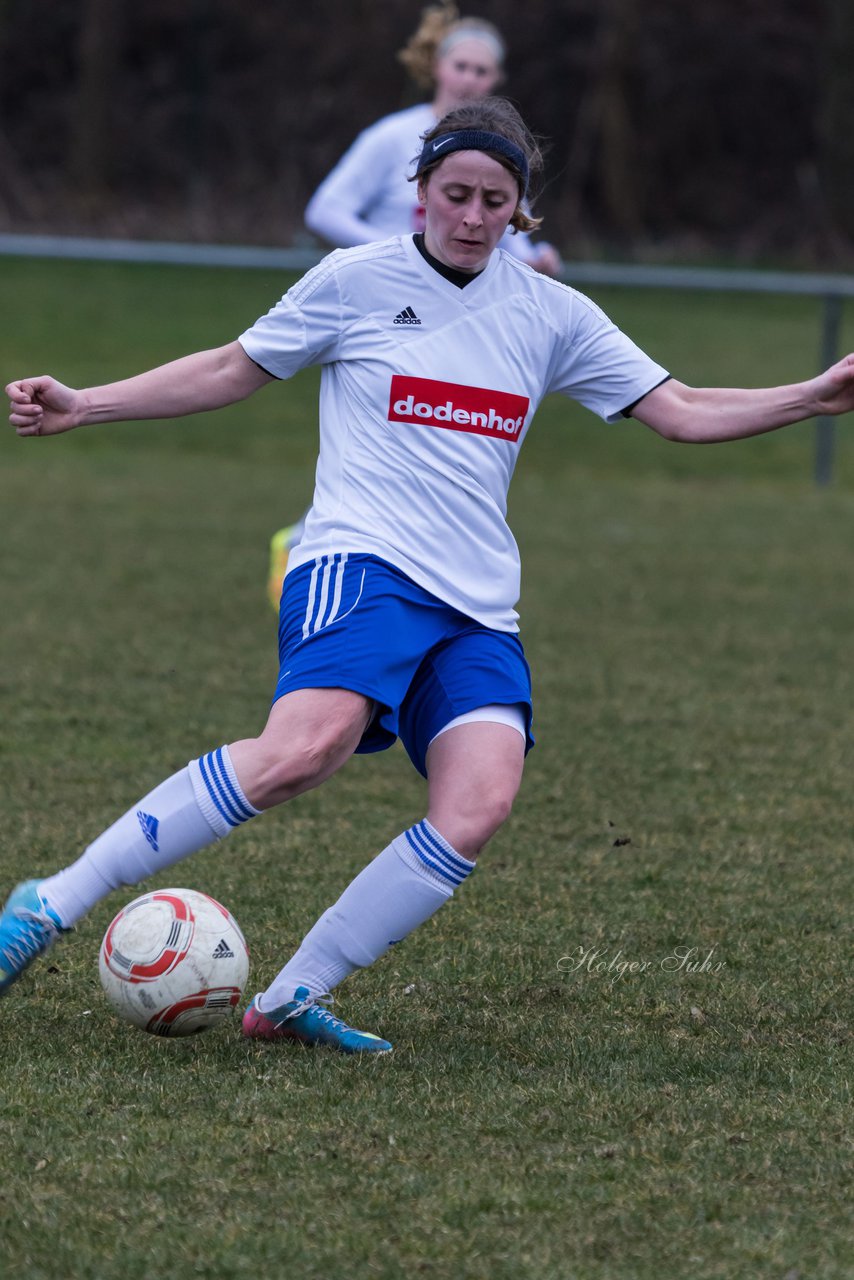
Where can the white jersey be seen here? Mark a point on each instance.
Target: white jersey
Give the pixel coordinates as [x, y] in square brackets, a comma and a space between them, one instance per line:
[427, 393]
[368, 197]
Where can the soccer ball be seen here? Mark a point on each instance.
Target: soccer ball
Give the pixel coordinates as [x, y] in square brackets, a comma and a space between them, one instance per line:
[174, 962]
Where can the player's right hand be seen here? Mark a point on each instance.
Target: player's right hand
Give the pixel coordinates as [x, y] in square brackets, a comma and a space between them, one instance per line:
[42, 406]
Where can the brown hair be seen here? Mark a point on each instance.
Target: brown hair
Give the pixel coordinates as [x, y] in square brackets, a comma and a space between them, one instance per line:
[495, 115]
[438, 21]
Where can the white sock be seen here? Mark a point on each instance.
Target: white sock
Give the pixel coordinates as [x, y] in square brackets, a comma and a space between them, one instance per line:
[187, 812]
[400, 889]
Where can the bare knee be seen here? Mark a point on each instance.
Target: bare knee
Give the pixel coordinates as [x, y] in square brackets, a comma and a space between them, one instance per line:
[474, 771]
[470, 821]
[309, 735]
[282, 772]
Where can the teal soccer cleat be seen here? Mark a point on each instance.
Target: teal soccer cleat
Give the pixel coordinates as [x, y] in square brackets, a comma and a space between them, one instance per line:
[27, 928]
[307, 1020]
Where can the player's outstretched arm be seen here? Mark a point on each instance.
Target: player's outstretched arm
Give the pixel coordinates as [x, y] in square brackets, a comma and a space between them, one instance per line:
[206, 380]
[706, 415]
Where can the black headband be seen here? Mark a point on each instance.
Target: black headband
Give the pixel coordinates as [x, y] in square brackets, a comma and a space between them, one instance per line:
[473, 140]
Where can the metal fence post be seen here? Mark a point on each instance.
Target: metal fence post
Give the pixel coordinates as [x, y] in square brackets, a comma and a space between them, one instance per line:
[824, 426]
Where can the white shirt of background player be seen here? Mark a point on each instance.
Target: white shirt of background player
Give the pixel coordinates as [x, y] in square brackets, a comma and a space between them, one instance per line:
[367, 196]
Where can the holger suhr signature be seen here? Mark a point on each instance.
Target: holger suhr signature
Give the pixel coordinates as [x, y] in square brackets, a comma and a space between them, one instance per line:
[598, 961]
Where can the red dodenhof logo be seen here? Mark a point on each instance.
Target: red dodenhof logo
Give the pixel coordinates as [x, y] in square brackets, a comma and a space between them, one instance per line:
[456, 407]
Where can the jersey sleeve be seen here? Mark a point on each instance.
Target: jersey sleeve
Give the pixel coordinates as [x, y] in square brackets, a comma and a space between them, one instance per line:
[598, 365]
[303, 328]
[339, 210]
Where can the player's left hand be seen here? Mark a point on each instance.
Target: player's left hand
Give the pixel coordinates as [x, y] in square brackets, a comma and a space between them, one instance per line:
[833, 390]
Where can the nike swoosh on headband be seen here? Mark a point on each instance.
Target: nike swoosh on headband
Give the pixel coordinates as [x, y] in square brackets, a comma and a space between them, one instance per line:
[476, 140]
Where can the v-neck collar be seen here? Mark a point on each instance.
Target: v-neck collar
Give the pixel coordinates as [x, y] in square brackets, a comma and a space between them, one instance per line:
[462, 279]
[444, 285]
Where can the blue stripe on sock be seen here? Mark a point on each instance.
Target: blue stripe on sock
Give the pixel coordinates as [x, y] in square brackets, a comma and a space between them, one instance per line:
[212, 792]
[411, 836]
[454, 859]
[219, 780]
[429, 861]
[239, 801]
[234, 816]
[434, 848]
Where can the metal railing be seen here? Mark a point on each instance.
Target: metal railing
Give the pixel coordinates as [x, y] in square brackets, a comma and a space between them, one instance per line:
[831, 289]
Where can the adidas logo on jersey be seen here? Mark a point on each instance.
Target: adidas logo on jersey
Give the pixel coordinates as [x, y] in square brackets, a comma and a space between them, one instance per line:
[222, 951]
[406, 316]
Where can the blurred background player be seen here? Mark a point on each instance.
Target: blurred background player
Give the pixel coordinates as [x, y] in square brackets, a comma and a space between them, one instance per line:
[368, 197]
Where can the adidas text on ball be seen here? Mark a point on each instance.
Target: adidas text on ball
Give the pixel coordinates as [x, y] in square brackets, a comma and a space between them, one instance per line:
[174, 962]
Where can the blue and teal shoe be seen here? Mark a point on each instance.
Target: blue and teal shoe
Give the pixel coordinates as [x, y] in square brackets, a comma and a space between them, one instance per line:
[306, 1019]
[27, 928]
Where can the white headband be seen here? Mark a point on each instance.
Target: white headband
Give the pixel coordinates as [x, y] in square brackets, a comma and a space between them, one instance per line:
[453, 38]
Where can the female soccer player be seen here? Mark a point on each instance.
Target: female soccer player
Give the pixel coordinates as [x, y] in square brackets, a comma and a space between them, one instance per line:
[398, 610]
[368, 196]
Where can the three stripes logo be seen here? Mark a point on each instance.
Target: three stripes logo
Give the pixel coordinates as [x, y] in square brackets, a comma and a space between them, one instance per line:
[222, 951]
[149, 826]
[333, 593]
[406, 316]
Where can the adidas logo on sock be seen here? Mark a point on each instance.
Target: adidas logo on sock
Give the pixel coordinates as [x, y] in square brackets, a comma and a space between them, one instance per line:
[149, 827]
[222, 951]
[407, 316]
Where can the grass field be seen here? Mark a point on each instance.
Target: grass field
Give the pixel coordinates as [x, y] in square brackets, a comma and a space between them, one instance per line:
[547, 1112]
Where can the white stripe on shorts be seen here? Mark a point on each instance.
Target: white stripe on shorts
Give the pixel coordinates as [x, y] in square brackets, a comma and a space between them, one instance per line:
[330, 594]
[312, 592]
[324, 595]
[339, 586]
[511, 714]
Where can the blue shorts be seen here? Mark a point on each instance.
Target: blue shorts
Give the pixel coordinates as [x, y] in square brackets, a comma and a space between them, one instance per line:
[352, 621]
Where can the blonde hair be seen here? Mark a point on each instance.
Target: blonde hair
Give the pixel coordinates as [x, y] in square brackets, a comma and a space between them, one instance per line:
[439, 24]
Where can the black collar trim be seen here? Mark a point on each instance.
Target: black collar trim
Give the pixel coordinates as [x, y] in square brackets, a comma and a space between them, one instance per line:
[459, 278]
